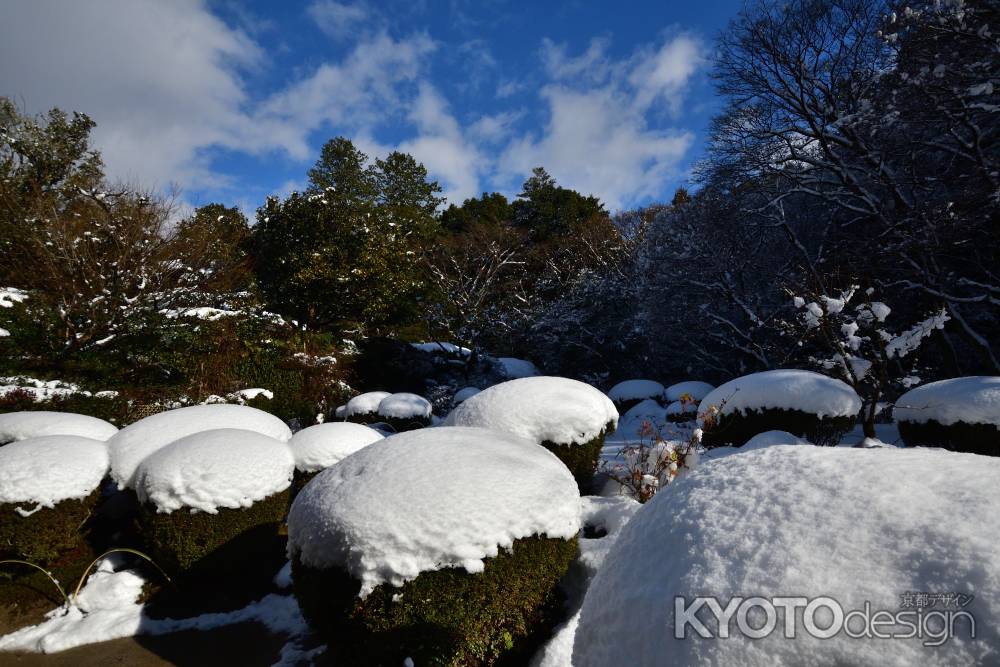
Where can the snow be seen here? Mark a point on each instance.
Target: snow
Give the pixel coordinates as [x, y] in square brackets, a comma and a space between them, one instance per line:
[770, 438]
[208, 470]
[517, 368]
[630, 390]
[137, 441]
[107, 609]
[631, 424]
[11, 295]
[4, 333]
[323, 445]
[463, 394]
[763, 524]
[541, 409]
[431, 499]
[693, 388]
[784, 389]
[202, 313]
[250, 394]
[404, 406]
[35, 424]
[364, 404]
[49, 469]
[42, 390]
[681, 408]
[443, 348]
[973, 400]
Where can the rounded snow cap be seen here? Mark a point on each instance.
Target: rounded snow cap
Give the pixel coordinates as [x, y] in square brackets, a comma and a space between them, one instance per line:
[220, 468]
[630, 390]
[541, 409]
[16, 426]
[323, 445]
[973, 400]
[404, 406]
[50, 469]
[784, 389]
[770, 438]
[463, 394]
[693, 388]
[428, 500]
[363, 404]
[137, 441]
[762, 524]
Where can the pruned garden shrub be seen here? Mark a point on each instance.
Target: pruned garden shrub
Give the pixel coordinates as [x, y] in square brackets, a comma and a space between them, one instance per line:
[405, 412]
[961, 414]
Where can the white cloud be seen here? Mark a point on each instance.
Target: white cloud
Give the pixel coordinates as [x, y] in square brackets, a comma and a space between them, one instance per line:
[338, 20]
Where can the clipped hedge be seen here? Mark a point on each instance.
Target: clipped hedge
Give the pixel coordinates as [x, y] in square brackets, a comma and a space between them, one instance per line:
[443, 617]
[736, 428]
[401, 424]
[44, 535]
[580, 459]
[958, 437]
[228, 544]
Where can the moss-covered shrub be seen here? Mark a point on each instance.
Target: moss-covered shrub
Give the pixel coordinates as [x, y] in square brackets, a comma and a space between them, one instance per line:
[228, 544]
[958, 437]
[42, 536]
[580, 459]
[443, 617]
[736, 428]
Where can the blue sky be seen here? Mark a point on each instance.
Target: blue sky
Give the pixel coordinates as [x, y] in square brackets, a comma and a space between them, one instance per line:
[231, 101]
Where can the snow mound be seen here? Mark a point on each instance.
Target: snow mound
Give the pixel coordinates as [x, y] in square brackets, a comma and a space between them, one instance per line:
[678, 408]
[404, 406]
[785, 521]
[515, 368]
[323, 445]
[973, 400]
[428, 500]
[630, 390]
[693, 388]
[541, 409]
[462, 394]
[220, 468]
[24, 425]
[770, 438]
[50, 469]
[364, 404]
[785, 389]
[631, 425]
[137, 441]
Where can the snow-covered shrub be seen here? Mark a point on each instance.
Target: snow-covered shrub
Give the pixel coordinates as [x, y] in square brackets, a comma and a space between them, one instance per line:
[629, 393]
[684, 410]
[692, 391]
[363, 408]
[463, 394]
[211, 502]
[405, 411]
[653, 462]
[323, 445]
[35, 424]
[568, 417]
[443, 545]
[819, 408]
[962, 414]
[762, 524]
[49, 487]
[772, 438]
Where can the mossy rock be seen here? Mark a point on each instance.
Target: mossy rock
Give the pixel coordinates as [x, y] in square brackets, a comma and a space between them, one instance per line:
[580, 459]
[43, 536]
[958, 437]
[443, 617]
[737, 428]
[229, 545]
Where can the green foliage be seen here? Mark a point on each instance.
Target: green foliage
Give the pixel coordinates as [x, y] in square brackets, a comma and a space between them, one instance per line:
[580, 459]
[228, 543]
[45, 535]
[959, 437]
[443, 617]
[737, 428]
[491, 210]
[546, 209]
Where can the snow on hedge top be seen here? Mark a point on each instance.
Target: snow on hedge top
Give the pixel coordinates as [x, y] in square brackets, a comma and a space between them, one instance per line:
[770, 438]
[763, 524]
[404, 406]
[463, 394]
[211, 469]
[785, 389]
[49, 469]
[515, 368]
[973, 400]
[323, 445]
[541, 409]
[428, 500]
[137, 441]
[693, 388]
[364, 404]
[630, 390]
[35, 424]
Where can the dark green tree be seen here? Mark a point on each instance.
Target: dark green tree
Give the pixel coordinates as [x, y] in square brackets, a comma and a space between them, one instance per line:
[546, 209]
